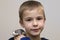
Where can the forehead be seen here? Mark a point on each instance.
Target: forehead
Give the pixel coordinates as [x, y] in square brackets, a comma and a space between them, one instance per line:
[33, 13]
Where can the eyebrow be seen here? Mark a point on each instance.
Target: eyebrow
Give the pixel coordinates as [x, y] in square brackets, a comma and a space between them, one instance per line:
[40, 16]
[31, 17]
[27, 17]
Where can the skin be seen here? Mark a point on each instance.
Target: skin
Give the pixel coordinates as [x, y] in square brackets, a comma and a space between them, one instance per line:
[33, 22]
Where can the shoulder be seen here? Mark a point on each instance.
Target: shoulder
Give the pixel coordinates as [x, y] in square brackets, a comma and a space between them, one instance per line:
[12, 38]
[44, 39]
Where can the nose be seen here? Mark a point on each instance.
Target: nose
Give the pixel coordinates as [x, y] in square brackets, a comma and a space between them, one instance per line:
[35, 24]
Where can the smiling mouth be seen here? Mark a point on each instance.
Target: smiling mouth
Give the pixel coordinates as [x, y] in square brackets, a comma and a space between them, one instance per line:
[35, 30]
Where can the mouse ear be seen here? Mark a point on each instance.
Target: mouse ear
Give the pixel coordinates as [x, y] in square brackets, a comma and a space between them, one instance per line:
[18, 32]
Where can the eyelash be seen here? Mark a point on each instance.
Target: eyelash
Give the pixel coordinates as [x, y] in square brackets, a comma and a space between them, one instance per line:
[28, 19]
[31, 19]
[39, 18]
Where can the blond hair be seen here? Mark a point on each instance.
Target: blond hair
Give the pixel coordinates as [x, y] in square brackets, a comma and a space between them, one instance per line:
[30, 5]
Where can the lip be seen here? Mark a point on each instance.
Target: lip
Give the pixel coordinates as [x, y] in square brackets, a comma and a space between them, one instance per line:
[35, 30]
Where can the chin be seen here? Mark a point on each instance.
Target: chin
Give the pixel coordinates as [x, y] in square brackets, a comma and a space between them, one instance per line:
[35, 34]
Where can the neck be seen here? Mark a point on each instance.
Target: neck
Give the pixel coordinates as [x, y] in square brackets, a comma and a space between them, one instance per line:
[34, 37]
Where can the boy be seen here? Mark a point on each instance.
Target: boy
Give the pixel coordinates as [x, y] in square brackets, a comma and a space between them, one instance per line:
[32, 18]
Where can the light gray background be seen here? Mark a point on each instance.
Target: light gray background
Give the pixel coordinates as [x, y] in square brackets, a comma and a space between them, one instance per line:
[9, 18]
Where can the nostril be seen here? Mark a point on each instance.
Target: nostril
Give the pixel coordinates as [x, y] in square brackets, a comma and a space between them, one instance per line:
[35, 25]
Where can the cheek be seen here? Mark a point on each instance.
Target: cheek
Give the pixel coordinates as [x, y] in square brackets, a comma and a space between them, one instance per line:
[27, 25]
[41, 23]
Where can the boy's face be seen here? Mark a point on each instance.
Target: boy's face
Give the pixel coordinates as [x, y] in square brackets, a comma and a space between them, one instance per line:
[33, 21]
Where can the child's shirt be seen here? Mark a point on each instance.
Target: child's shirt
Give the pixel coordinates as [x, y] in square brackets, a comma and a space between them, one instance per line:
[41, 38]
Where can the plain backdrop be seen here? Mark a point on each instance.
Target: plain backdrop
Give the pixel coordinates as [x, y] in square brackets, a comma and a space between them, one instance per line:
[9, 18]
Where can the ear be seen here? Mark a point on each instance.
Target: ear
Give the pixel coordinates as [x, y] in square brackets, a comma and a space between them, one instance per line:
[21, 23]
[44, 22]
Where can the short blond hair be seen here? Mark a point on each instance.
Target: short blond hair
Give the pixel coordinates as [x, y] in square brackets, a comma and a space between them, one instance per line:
[30, 5]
